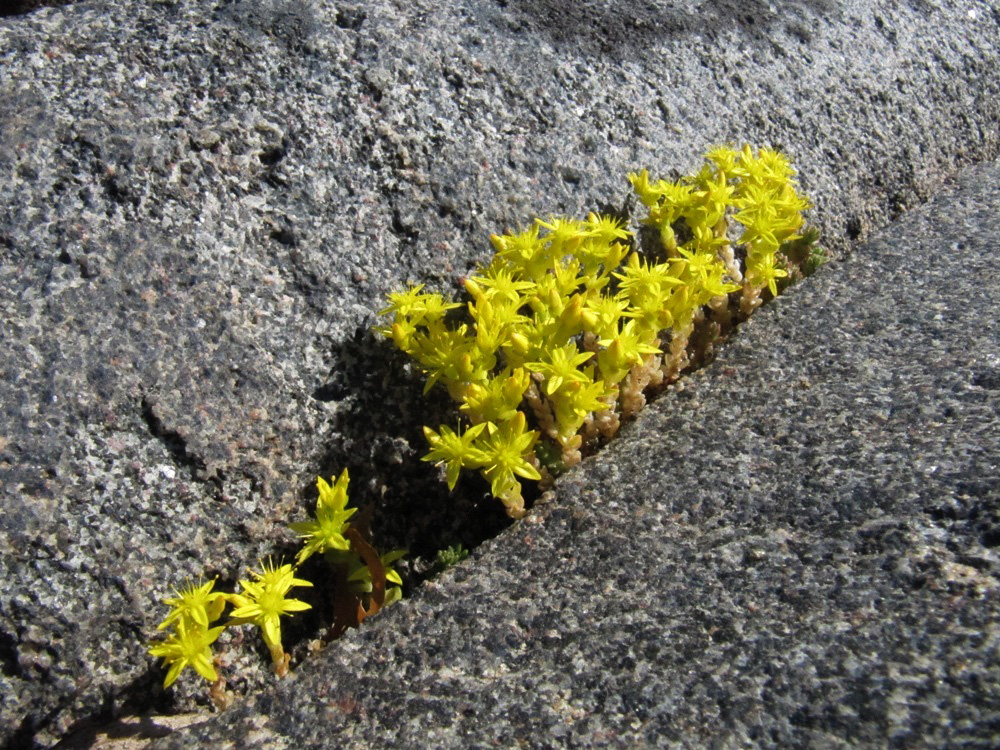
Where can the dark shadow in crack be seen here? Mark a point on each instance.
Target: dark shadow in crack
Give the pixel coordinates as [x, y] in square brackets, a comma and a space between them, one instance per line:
[10, 8]
[622, 28]
[379, 438]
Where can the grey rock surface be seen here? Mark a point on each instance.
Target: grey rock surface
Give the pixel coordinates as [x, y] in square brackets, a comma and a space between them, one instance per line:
[795, 548]
[204, 203]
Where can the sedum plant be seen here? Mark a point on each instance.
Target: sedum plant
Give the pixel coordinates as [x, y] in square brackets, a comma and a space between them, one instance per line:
[571, 324]
[561, 337]
[450, 556]
[365, 582]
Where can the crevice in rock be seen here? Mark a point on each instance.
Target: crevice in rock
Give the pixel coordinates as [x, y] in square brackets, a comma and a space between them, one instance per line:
[172, 440]
[21, 7]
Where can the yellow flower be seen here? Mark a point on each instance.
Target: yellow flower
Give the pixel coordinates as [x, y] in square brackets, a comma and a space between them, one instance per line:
[454, 450]
[327, 531]
[562, 367]
[189, 646]
[196, 604]
[763, 272]
[499, 281]
[525, 250]
[565, 235]
[609, 229]
[505, 454]
[497, 399]
[575, 401]
[643, 282]
[606, 311]
[622, 352]
[724, 158]
[263, 601]
[417, 306]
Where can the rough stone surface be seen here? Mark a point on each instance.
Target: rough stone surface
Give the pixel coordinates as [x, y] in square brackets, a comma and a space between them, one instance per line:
[205, 202]
[797, 548]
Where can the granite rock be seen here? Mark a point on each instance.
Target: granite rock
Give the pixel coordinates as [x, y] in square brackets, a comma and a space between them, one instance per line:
[795, 548]
[204, 204]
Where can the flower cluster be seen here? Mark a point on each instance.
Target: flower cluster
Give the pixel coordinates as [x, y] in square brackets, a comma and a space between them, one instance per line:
[260, 602]
[570, 325]
[193, 609]
[756, 191]
[561, 337]
[366, 582]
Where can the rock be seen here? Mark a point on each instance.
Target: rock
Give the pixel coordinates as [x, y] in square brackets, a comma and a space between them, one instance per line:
[796, 549]
[205, 204]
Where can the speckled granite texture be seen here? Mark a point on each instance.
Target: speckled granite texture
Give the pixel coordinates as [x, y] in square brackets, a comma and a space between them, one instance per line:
[205, 202]
[796, 549]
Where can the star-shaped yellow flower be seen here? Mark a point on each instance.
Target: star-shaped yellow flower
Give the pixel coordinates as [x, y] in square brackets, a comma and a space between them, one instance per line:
[189, 646]
[263, 601]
